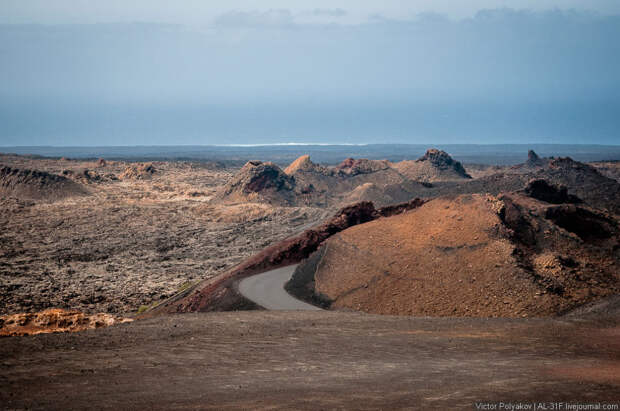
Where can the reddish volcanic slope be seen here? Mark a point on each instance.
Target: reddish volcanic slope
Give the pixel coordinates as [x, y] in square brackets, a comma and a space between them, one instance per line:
[471, 255]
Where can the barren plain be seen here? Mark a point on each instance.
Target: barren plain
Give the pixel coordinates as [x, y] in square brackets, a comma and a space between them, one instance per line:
[132, 240]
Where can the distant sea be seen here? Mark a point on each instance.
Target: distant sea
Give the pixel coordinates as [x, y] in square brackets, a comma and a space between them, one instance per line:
[499, 154]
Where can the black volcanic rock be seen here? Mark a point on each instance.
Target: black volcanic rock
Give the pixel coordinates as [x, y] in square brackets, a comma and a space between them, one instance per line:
[533, 160]
[542, 190]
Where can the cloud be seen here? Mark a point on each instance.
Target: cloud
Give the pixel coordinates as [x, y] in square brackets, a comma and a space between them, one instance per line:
[329, 12]
[495, 54]
[256, 19]
[277, 18]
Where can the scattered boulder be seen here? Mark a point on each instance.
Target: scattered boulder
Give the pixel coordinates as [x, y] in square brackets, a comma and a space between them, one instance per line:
[141, 171]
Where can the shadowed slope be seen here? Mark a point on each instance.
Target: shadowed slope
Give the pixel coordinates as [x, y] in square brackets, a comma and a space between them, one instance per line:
[37, 185]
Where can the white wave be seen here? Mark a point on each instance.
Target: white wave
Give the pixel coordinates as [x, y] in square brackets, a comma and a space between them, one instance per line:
[290, 144]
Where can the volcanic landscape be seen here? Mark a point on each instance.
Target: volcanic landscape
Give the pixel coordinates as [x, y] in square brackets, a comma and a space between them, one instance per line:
[440, 282]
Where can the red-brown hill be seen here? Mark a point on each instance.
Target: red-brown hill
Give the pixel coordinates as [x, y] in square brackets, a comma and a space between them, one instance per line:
[471, 255]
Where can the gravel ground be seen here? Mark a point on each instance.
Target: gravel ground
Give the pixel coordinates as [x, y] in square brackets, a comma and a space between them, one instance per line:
[313, 360]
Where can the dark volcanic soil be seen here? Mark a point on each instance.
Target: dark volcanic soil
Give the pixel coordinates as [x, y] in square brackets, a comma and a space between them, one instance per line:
[312, 360]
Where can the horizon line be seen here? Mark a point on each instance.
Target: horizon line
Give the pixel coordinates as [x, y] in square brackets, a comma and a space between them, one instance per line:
[312, 144]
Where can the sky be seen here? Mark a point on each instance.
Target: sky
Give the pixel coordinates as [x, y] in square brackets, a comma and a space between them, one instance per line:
[81, 72]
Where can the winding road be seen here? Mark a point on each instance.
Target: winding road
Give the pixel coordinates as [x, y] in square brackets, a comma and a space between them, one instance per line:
[267, 290]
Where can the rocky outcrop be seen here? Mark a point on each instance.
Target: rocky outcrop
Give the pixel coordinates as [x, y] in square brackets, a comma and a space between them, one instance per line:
[143, 171]
[442, 160]
[259, 181]
[533, 163]
[434, 165]
[304, 164]
[54, 320]
[37, 185]
[353, 167]
[87, 176]
[533, 160]
[304, 183]
[581, 180]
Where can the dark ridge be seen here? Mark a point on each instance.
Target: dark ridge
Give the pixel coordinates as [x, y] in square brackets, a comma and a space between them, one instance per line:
[542, 190]
[587, 224]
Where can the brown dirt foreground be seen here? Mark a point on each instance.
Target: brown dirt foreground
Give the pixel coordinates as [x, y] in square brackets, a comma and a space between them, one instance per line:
[313, 360]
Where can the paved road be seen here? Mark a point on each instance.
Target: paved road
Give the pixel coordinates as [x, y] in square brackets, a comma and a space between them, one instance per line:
[267, 290]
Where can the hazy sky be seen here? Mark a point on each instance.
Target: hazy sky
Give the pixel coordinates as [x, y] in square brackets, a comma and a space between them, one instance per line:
[159, 72]
[202, 12]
